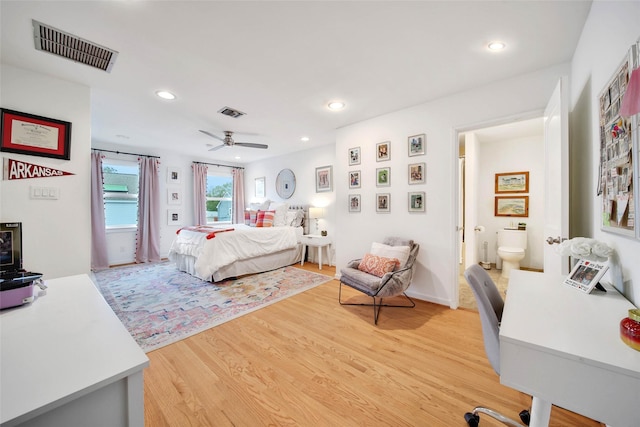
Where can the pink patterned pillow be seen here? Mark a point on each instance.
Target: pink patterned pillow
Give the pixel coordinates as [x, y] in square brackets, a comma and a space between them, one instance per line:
[377, 265]
[265, 218]
[247, 217]
[253, 217]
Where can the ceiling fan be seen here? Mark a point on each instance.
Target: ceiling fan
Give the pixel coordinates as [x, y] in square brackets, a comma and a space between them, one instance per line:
[229, 142]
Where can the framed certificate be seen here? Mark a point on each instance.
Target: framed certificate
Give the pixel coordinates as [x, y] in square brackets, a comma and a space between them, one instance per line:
[24, 133]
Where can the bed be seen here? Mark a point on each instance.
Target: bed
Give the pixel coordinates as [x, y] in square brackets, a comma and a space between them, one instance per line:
[218, 252]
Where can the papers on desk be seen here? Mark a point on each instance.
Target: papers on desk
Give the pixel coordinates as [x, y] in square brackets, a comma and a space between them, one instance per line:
[585, 275]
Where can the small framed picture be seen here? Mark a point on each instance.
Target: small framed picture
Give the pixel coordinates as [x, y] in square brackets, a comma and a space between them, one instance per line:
[512, 206]
[417, 172]
[174, 217]
[417, 201]
[324, 180]
[383, 202]
[174, 196]
[417, 145]
[354, 156]
[383, 177]
[354, 179]
[512, 182]
[260, 187]
[354, 202]
[174, 175]
[585, 275]
[383, 151]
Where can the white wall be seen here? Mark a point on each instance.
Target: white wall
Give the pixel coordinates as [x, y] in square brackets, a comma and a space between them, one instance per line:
[56, 233]
[611, 28]
[303, 164]
[517, 155]
[436, 274]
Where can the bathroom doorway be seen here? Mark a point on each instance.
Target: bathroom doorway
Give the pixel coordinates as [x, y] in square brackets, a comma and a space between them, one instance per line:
[515, 146]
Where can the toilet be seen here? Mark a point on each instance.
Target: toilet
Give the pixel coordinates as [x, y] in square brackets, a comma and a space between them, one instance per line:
[511, 247]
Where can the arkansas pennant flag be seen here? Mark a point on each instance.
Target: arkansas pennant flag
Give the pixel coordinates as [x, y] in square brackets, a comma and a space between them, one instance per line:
[16, 169]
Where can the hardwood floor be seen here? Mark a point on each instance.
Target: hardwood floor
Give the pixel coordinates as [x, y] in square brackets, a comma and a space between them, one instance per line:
[308, 361]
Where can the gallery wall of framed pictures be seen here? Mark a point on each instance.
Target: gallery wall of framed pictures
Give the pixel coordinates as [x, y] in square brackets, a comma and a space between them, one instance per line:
[416, 175]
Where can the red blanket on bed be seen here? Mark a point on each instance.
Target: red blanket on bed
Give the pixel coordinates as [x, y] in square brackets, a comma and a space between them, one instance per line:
[209, 230]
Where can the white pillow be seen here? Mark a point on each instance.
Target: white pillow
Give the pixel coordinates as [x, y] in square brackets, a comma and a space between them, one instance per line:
[290, 218]
[280, 210]
[400, 252]
[264, 206]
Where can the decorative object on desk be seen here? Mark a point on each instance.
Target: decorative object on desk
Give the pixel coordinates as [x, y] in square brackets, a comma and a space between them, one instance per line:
[586, 274]
[324, 179]
[630, 329]
[24, 133]
[585, 248]
[522, 226]
[160, 305]
[317, 214]
[323, 233]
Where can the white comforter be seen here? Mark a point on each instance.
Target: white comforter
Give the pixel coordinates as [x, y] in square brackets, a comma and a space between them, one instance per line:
[243, 242]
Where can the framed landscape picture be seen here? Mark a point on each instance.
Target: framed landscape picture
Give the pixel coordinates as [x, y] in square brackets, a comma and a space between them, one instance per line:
[512, 206]
[512, 182]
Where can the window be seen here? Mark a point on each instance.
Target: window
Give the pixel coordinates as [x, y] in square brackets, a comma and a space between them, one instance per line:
[120, 184]
[219, 197]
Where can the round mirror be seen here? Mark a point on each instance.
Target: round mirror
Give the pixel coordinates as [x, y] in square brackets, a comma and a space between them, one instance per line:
[285, 183]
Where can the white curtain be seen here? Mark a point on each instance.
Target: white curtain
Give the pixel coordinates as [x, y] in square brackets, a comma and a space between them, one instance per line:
[148, 236]
[238, 196]
[199, 193]
[99, 257]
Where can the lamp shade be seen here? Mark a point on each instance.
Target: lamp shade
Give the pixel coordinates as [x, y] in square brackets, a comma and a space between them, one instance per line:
[315, 213]
[631, 99]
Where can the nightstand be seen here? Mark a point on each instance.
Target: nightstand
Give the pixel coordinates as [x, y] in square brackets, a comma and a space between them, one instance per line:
[317, 241]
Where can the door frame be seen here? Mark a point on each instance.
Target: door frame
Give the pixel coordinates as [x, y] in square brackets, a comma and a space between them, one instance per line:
[455, 146]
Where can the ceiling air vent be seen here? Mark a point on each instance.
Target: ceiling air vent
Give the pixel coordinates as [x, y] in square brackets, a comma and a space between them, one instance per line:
[231, 112]
[52, 40]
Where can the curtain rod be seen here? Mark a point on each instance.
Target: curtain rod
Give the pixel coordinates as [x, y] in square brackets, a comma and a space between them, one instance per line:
[123, 152]
[216, 164]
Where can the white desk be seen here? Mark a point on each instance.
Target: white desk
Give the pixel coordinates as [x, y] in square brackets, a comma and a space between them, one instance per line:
[563, 347]
[320, 242]
[66, 360]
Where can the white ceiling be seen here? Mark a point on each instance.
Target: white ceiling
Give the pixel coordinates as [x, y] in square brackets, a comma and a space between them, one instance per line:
[282, 62]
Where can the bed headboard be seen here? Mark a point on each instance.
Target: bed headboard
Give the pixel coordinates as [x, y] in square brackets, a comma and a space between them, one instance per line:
[305, 218]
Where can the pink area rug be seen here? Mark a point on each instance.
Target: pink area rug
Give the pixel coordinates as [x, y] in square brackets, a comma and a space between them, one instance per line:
[160, 305]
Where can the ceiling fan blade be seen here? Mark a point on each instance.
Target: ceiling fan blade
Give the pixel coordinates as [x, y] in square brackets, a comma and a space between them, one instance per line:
[251, 145]
[212, 135]
[217, 148]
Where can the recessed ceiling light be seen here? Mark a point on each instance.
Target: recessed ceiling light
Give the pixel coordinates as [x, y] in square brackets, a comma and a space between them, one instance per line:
[237, 157]
[165, 94]
[336, 105]
[495, 46]
[304, 139]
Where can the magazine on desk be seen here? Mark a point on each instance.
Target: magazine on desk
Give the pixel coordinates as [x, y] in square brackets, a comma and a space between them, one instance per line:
[585, 275]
